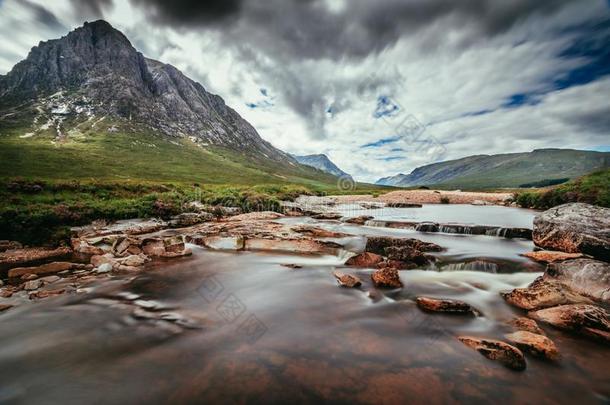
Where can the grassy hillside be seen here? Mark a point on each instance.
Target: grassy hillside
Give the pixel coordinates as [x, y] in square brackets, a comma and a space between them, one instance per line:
[48, 184]
[593, 189]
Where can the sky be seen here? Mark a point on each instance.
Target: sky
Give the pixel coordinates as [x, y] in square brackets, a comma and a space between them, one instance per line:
[382, 86]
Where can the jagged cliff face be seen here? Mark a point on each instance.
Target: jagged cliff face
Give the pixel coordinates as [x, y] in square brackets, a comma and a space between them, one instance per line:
[94, 71]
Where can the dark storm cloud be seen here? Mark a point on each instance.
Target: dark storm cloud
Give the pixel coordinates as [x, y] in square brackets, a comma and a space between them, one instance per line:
[191, 12]
[311, 29]
[91, 8]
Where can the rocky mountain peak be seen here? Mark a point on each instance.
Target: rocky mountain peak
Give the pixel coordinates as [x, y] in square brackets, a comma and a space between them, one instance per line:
[95, 71]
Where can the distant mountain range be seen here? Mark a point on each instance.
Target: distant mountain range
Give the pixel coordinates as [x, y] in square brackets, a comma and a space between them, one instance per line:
[321, 162]
[90, 100]
[503, 170]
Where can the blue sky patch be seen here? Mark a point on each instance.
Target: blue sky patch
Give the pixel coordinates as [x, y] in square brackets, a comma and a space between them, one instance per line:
[380, 142]
[385, 107]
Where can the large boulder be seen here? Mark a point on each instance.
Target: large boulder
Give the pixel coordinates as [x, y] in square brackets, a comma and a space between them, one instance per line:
[585, 276]
[543, 294]
[574, 228]
[587, 320]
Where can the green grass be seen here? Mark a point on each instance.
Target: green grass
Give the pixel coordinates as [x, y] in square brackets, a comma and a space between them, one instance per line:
[593, 189]
[48, 185]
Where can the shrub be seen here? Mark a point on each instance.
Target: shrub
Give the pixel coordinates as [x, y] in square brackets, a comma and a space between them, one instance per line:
[445, 200]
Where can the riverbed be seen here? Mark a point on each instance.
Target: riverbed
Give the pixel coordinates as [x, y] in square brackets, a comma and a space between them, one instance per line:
[276, 328]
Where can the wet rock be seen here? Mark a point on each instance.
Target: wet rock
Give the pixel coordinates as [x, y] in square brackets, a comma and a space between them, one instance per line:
[292, 245]
[537, 345]
[28, 277]
[315, 232]
[549, 256]
[378, 244]
[153, 247]
[408, 254]
[46, 294]
[386, 277]
[32, 285]
[98, 260]
[574, 228]
[587, 320]
[25, 256]
[360, 220]
[134, 260]
[543, 294]
[347, 280]
[497, 350]
[124, 246]
[292, 265]
[223, 242]
[189, 219]
[522, 323]
[49, 268]
[446, 306]
[174, 244]
[481, 202]
[365, 259]
[327, 215]
[403, 205]
[585, 276]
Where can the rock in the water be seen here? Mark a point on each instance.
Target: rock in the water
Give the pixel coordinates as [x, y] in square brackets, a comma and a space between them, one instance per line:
[549, 256]
[408, 254]
[365, 259]
[526, 324]
[403, 205]
[347, 280]
[49, 268]
[4, 307]
[585, 276]
[190, 219]
[446, 306]
[360, 220]
[378, 244]
[134, 260]
[103, 268]
[315, 232]
[506, 354]
[543, 294]
[538, 345]
[327, 215]
[574, 228]
[582, 319]
[25, 256]
[386, 277]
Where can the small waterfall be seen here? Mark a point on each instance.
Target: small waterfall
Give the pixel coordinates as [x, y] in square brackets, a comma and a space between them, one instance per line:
[476, 265]
[427, 227]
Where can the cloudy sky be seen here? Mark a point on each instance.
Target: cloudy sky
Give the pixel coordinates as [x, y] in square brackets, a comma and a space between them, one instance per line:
[380, 86]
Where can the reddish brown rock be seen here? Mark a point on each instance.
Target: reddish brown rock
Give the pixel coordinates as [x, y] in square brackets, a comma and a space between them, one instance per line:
[543, 294]
[315, 232]
[497, 350]
[361, 220]
[365, 259]
[4, 307]
[537, 345]
[526, 324]
[587, 320]
[446, 306]
[585, 276]
[49, 268]
[397, 264]
[408, 254]
[386, 277]
[549, 256]
[9, 245]
[347, 280]
[327, 215]
[47, 293]
[378, 244]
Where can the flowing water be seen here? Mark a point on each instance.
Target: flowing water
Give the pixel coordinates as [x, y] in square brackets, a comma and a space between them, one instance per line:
[246, 328]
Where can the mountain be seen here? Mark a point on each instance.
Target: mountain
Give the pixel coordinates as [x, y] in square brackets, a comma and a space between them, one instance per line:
[91, 94]
[503, 170]
[321, 162]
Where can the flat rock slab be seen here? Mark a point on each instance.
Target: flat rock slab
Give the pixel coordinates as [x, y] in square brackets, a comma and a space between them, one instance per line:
[446, 306]
[497, 350]
[522, 323]
[537, 345]
[378, 244]
[586, 320]
[550, 256]
[49, 268]
[22, 257]
[574, 228]
[543, 294]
